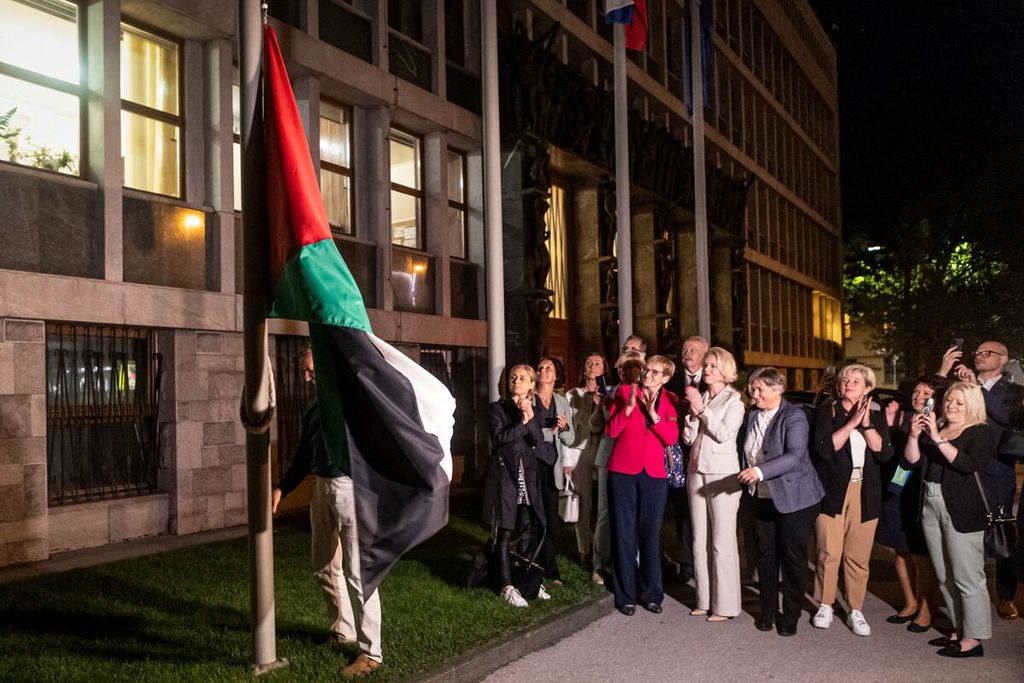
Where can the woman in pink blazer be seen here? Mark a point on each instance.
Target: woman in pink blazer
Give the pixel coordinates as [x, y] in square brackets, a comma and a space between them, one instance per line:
[643, 421]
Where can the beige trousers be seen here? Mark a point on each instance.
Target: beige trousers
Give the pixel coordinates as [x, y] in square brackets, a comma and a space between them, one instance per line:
[714, 504]
[332, 515]
[844, 538]
[583, 480]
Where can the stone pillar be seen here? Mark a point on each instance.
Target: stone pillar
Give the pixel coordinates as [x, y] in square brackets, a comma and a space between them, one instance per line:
[721, 293]
[686, 281]
[586, 313]
[219, 169]
[24, 531]
[645, 322]
[435, 218]
[200, 435]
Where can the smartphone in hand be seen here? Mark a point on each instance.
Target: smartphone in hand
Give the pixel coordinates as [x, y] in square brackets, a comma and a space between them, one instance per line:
[602, 386]
[928, 406]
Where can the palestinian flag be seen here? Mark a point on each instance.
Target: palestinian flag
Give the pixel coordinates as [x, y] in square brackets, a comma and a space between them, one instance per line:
[385, 419]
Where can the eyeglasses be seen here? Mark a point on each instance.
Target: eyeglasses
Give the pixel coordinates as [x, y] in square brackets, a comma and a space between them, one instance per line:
[985, 353]
[653, 371]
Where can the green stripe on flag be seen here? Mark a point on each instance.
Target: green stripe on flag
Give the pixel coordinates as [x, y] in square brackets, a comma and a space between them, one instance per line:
[316, 286]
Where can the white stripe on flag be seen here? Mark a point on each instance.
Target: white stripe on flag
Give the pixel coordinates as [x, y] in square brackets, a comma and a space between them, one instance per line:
[435, 403]
[612, 5]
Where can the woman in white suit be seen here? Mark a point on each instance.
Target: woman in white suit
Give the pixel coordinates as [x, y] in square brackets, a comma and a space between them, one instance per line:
[710, 427]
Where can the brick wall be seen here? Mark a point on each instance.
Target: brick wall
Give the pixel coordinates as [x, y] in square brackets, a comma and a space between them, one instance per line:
[23, 497]
[202, 441]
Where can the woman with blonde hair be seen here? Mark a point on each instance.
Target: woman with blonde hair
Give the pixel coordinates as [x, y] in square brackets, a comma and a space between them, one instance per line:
[951, 453]
[512, 495]
[710, 428]
[851, 438]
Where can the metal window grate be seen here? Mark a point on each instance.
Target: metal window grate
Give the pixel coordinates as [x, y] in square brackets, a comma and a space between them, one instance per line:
[294, 395]
[102, 387]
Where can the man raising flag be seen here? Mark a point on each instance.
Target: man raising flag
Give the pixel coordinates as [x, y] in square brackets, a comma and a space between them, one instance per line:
[386, 423]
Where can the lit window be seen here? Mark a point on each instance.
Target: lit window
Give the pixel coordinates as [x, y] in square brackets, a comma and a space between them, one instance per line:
[336, 165]
[558, 277]
[406, 192]
[828, 321]
[40, 105]
[151, 123]
[236, 147]
[457, 246]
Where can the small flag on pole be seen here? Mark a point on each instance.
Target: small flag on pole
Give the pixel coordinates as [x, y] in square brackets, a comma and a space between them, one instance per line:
[632, 13]
[386, 420]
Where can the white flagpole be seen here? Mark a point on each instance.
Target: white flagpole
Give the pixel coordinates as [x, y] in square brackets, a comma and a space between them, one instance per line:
[700, 211]
[495, 255]
[623, 234]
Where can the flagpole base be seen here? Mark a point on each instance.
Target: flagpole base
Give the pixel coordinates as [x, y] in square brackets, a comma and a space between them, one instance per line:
[260, 669]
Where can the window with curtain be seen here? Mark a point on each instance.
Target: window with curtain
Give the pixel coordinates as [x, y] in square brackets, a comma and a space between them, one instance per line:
[151, 122]
[406, 191]
[40, 84]
[457, 239]
[336, 165]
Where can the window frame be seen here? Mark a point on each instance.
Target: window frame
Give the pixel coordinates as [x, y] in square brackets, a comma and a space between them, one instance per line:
[77, 90]
[341, 170]
[421, 227]
[462, 206]
[163, 117]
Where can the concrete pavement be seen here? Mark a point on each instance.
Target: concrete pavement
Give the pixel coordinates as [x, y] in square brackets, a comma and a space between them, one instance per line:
[674, 646]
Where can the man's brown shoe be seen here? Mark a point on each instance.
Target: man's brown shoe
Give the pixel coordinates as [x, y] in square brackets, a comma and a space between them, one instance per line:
[1008, 610]
[361, 666]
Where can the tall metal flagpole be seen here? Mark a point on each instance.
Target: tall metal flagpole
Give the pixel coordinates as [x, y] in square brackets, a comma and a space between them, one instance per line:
[495, 256]
[623, 228]
[700, 211]
[255, 304]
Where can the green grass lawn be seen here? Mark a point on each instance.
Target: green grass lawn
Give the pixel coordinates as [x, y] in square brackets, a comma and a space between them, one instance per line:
[184, 615]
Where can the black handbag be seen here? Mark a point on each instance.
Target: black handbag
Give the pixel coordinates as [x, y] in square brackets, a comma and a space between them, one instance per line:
[527, 575]
[1001, 533]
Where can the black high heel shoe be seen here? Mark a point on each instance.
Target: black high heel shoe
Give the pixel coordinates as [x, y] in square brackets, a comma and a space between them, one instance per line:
[897, 619]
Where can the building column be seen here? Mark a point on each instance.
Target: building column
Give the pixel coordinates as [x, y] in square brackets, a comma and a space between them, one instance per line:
[587, 285]
[645, 305]
[103, 115]
[435, 218]
[686, 281]
[23, 474]
[372, 190]
[220, 165]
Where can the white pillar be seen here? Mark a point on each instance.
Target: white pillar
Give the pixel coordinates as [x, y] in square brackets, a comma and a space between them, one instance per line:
[623, 227]
[700, 210]
[495, 256]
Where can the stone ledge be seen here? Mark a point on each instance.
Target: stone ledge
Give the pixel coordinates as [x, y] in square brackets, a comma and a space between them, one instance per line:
[477, 663]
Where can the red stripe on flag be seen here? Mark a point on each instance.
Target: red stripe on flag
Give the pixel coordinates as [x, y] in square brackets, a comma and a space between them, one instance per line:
[296, 214]
[636, 31]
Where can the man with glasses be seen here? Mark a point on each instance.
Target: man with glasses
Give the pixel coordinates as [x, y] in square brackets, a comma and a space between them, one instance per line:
[1002, 401]
[635, 342]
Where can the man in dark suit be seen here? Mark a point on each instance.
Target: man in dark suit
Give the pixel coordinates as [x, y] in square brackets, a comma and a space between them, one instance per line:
[690, 373]
[1002, 401]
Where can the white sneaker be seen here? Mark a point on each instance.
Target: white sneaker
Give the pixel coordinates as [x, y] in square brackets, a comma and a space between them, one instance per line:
[858, 624]
[543, 594]
[823, 619]
[513, 597]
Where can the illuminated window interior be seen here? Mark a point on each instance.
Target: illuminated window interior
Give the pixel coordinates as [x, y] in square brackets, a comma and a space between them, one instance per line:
[336, 165]
[406, 192]
[39, 85]
[827, 317]
[558, 277]
[150, 117]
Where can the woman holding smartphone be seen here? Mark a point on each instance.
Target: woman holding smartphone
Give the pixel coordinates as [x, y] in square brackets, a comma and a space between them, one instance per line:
[950, 455]
[588, 418]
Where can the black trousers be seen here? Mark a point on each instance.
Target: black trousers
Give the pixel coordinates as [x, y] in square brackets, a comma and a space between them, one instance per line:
[684, 531]
[636, 505]
[782, 542]
[549, 497]
[526, 530]
[1005, 479]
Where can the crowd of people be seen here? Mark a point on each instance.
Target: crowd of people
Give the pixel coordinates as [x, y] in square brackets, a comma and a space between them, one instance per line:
[852, 469]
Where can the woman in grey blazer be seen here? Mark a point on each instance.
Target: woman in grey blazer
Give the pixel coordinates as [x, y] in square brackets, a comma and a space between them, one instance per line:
[786, 493]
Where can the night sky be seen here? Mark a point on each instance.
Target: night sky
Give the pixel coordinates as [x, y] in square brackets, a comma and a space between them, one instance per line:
[931, 107]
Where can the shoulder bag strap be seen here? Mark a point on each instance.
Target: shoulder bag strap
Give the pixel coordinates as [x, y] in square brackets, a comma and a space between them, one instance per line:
[984, 498]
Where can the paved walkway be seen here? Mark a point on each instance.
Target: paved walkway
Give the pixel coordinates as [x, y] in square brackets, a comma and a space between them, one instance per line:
[674, 646]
